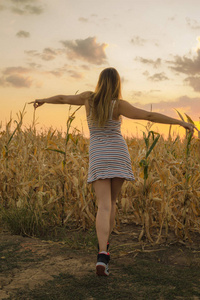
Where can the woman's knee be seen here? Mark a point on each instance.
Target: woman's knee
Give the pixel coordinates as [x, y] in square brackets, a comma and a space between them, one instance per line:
[104, 205]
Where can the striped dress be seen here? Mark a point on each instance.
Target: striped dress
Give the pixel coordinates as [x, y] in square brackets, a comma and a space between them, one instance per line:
[108, 151]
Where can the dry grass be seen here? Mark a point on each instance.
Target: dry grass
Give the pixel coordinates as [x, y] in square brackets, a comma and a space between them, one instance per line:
[43, 184]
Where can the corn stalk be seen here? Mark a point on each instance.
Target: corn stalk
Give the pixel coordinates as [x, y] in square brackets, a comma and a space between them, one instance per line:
[144, 163]
[64, 152]
[187, 171]
[6, 150]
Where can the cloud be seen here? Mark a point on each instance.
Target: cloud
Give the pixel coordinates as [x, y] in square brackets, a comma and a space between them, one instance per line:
[2, 82]
[16, 80]
[189, 66]
[32, 52]
[124, 80]
[194, 82]
[14, 76]
[146, 73]
[156, 77]
[2, 7]
[84, 20]
[154, 91]
[19, 81]
[155, 63]
[13, 70]
[47, 54]
[34, 66]
[27, 10]
[23, 7]
[23, 34]
[137, 94]
[172, 18]
[143, 94]
[68, 70]
[85, 67]
[138, 41]
[184, 104]
[193, 24]
[58, 72]
[22, 1]
[75, 74]
[88, 50]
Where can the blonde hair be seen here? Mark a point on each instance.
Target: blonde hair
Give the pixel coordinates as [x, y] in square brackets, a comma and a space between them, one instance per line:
[108, 88]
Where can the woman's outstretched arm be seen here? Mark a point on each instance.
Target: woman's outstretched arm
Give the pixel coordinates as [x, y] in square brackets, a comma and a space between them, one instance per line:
[129, 111]
[78, 99]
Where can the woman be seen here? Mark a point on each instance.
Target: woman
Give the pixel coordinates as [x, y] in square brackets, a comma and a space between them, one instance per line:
[109, 160]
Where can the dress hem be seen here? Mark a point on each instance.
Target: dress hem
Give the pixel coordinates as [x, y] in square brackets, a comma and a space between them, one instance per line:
[110, 177]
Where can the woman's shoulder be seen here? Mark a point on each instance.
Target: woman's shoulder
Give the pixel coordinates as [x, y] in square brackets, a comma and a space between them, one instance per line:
[87, 95]
[87, 100]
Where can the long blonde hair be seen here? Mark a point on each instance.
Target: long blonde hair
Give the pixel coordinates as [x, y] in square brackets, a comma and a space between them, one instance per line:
[108, 88]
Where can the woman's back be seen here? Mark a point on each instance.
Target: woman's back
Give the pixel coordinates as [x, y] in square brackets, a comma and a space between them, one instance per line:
[108, 152]
[112, 126]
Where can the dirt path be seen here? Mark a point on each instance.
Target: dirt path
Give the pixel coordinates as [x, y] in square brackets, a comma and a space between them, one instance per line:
[26, 263]
[29, 262]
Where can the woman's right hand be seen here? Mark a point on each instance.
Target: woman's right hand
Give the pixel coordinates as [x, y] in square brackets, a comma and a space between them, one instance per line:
[37, 103]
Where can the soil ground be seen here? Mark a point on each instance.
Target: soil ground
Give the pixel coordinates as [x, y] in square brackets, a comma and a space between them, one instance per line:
[32, 268]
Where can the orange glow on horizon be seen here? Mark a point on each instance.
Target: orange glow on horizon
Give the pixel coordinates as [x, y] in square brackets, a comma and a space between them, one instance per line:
[50, 116]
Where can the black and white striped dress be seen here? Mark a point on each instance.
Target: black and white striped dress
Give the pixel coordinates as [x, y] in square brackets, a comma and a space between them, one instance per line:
[108, 151]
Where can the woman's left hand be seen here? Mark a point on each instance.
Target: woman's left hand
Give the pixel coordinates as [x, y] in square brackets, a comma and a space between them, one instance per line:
[191, 127]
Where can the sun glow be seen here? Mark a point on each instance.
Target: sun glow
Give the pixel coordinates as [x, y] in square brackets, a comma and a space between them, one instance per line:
[197, 48]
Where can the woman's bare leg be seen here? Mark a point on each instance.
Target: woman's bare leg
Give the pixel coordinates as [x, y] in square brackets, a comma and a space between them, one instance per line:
[116, 184]
[106, 191]
[102, 189]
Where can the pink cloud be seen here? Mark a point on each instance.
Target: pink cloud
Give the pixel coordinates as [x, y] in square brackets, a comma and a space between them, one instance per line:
[184, 104]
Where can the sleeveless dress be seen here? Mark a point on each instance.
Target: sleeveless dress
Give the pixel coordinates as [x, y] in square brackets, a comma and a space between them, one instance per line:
[108, 151]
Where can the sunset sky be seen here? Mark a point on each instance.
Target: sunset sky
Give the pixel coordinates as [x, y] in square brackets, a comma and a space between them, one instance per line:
[51, 47]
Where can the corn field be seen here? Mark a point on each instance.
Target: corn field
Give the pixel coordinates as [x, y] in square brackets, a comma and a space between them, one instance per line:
[43, 183]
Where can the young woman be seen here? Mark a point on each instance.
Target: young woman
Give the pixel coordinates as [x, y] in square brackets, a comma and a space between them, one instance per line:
[109, 160]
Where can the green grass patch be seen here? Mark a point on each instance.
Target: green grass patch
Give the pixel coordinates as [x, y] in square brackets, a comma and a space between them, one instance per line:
[82, 239]
[25, 221]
